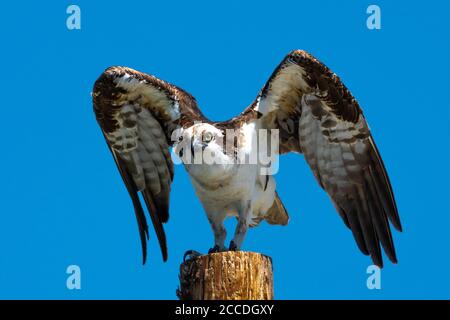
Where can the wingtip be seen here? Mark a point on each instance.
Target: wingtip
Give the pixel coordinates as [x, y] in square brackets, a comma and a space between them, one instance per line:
[393, 256]
[144, 258]
[165, 255]
[378, 262]
[398, 226]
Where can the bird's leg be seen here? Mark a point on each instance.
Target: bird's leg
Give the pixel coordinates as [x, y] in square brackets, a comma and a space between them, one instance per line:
[242, 226]
[220, 233]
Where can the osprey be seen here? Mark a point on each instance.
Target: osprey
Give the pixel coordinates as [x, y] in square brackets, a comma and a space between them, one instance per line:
[303, 104]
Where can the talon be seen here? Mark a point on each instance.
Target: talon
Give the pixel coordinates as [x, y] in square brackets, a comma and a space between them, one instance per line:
[191, 254]
[233, 246]
[214, 249]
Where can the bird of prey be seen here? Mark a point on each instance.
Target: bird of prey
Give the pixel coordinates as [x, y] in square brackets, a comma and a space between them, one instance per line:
[303, 104]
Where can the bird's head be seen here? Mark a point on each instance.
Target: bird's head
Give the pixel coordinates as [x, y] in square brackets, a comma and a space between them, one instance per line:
[193, 141]
[201, 143]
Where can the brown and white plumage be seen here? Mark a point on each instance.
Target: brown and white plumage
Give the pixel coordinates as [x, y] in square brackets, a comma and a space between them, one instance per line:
[303, 96]
[315, 114]
[137, 114]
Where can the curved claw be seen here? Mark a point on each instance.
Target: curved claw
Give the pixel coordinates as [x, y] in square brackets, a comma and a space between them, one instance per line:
[233, 246]
[191, 254]
[214, 249]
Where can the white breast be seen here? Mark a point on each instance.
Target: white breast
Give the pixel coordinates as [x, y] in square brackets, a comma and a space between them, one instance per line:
[226, 191]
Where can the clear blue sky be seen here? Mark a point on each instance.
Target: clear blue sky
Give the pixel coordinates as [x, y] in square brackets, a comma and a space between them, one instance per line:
[62, 199]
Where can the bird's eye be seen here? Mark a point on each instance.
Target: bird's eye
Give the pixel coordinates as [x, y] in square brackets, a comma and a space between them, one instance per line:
[207, 136]
[180, 138]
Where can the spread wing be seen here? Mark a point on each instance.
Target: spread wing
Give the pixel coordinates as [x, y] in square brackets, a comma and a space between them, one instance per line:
[137, 114]
[317, 116]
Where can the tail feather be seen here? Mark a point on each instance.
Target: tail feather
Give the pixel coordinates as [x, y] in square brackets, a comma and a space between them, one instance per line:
[277, 214]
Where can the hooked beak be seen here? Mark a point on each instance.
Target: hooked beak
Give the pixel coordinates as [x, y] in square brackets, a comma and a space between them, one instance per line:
[192, 147]
[202, 144]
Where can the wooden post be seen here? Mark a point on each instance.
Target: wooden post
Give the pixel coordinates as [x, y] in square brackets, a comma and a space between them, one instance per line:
[230, 275]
